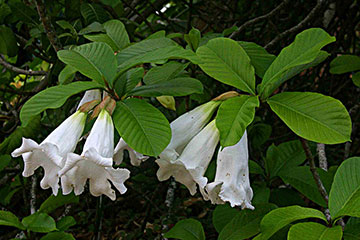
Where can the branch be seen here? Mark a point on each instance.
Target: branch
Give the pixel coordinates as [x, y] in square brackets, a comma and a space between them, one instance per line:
[322, 156]
[258, 19]
[139, 15]
[299, 26]
[19, 70]
[49, 29]
[33, 194]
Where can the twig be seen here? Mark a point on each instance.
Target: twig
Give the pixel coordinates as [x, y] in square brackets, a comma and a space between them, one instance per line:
[299, 26]
[170, 195]
[140, 15]
[49, 28]
[19, 70]
[33, 194]
[258, 19]
[322, 156]
[99, 215]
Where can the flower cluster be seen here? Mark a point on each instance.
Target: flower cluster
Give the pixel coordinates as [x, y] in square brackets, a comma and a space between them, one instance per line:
[190, 152]
[56, 153]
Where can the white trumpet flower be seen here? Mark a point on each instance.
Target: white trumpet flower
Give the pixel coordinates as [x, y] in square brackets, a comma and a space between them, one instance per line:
[89, 96]
[51, 153]
[185, 127]
[232, 182]
[95, 163]
[190, 167]
[135, 158]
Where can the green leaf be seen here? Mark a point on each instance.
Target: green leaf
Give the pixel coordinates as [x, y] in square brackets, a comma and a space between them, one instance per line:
[128, 80]
[58, 236]
[246, 223]
[284, 157]
[54, 202]
[65, 223]
[279, 218]
[9, 219]
[66, 25]
[93, 13]
[116, 36]
[222, 215]
[284, 197]
[314, 231]
[356, 79]
[94, 27]
[259, 57]
[67, 74]
[313, 116]
[302, 180]
[193, 38]
[39, 222]
[255, 168]
[226, 61]
[53, 97]
[143, 127]
[14, 139]
[234, 115]
[4, 161]
[164, 73]
[8, 44]
[259, 133]
[94, 60]
[344, 199]
[304, 50]
[177, 87]
[352, 229]
[187, 229]
[344, 64]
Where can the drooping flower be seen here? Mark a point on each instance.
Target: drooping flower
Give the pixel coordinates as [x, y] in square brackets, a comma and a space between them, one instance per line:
[95, 163]
[190, 167]
[51, 153]
[89, 96]
[185, 127]
[232, 182]
[135, 158]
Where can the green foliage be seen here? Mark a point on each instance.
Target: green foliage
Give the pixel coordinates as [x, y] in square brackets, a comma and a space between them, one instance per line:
[193, 38]
[93, 13]
[187, 229]
[304, 50]
[58, 235]
[352, 229]
[142, 126]
[226, 61]
[345, 191]
[313, 116]
[7, 42]
[344, 64]
[53, 202]
[39, 222]
[94, 60]
[234, 115]
[9, 219]
[223, 215]
[314, 231]
[67, 74]
[164, 73]
[52, 97]
[65, 223]
[128, 80]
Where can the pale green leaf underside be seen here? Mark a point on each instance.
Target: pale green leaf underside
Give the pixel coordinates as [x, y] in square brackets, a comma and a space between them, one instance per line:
[314, 231]
[344, 199]
[226, 61]
[234, 115]
[313, 116]
[279, 218]
[143, 127]
[303, 50]
[53, 97]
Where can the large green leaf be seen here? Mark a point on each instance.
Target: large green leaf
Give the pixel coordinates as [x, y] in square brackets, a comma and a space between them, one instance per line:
[304, 50]
[226, 61]
[93, 13]
[284, 157]
[116, 36]
[65, 223]
[313, 116]
[187, 229]
[222, 215]
[314, 231]
[67, 74]
[52, 97]
[39, 222]
[53, 202]
[279, 218]
[344, 199]
[302, 180]
[9, 219]
[143, 127]
[345, 63]
[234, 115]
[259, 57]
[352, 229]
[95, 60]
[8, 44]
[128, 80]
[246, 224]
[181, 86]
[164, 73]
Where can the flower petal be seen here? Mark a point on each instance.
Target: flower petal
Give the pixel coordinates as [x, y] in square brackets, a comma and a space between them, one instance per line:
[135, 158]
[89, 96]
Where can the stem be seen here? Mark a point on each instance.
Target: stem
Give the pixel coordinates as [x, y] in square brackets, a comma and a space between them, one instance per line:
[99, 215]
[322, 156]
[19, 70]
